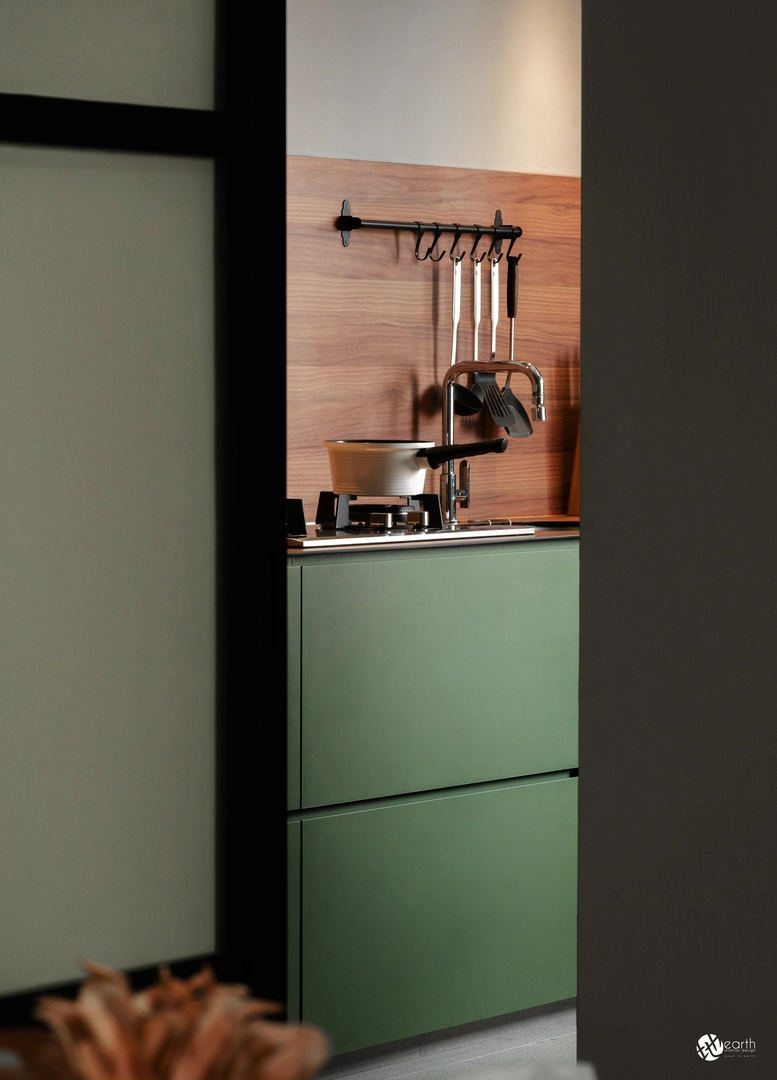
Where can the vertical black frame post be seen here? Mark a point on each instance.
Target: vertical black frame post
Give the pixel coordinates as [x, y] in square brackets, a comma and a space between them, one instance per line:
[250, 396]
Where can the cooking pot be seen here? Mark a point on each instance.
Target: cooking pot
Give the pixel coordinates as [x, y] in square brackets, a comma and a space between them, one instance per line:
[396, 466]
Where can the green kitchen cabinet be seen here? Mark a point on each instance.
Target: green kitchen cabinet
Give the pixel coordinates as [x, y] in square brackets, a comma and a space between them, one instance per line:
[293, 693]
[430, 669]
[432, 786]
[438, 911]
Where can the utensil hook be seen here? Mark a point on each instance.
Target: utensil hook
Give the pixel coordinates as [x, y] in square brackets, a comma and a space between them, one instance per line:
[437, 235]
[496, 238]
[477, 241]
[516, 234]
[421, 232]
[456, 258]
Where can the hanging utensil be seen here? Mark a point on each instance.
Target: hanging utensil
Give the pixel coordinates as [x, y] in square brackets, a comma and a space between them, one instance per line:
[476, 292]
[475, 393]
[494, 304]
[501, 414]
[521, 427]
[465, 402]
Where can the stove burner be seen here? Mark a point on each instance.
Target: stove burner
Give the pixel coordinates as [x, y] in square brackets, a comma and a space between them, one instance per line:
[340, 512]
[388, 517]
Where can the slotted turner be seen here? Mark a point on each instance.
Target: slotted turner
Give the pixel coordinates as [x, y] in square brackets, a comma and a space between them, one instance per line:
[521, 427]
[501, 413]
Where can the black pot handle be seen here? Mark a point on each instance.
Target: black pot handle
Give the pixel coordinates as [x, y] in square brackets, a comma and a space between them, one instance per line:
[435, 455]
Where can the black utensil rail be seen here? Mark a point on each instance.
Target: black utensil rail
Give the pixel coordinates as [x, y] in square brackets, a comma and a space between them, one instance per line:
[499, 232]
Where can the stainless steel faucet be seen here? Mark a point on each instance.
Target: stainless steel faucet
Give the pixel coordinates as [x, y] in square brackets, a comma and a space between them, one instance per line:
[451, 494]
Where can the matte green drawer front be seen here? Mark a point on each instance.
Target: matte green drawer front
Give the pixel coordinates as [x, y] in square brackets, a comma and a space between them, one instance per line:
[293, 661]
[434, 672]
[423, 915]
[294, 900]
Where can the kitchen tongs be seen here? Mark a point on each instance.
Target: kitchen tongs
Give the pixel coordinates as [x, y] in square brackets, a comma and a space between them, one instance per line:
[501, 413]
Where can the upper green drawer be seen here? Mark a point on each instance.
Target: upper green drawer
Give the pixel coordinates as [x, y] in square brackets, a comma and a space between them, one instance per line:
[421, 673]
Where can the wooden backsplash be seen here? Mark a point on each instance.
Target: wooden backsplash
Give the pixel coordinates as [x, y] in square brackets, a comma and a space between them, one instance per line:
[369, 327]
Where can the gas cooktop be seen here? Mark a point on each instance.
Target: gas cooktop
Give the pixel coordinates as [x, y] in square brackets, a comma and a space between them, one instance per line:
[342, 522]
[318, 537]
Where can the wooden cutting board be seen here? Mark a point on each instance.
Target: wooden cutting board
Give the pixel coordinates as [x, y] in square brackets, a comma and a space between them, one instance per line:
[573, 507]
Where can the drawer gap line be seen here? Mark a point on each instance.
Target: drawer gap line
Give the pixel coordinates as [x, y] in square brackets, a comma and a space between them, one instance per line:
[406, 798]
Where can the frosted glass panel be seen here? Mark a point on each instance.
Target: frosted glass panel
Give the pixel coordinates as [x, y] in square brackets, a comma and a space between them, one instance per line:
[106, 562]
[147, 52]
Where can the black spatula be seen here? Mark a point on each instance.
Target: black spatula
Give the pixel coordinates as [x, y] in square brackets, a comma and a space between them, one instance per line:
[521, 427]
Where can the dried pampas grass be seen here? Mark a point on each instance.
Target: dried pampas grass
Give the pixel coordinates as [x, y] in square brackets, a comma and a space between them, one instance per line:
[178, 1029]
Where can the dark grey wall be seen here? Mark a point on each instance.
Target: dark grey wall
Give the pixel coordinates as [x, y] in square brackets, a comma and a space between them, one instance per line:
[678, 831]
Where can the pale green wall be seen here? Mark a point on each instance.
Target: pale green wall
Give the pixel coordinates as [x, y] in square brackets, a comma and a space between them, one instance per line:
[146, 52]
[106, 562]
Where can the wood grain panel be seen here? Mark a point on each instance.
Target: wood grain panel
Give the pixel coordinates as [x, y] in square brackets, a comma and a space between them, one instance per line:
[369, 327]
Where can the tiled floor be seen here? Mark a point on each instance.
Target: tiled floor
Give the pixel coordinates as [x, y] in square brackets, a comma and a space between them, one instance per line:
[537, 1036]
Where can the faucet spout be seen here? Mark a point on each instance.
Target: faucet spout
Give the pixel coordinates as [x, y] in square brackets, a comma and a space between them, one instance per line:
[450, 493]
[537, 389]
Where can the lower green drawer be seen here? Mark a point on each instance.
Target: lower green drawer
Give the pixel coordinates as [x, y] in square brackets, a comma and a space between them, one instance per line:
[435, 911]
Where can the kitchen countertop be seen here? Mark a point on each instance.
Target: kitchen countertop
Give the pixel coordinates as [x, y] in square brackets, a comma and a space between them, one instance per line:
[550, 527]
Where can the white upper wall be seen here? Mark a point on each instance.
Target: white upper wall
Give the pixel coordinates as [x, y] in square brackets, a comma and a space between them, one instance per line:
[481, 84]
[147, 52]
